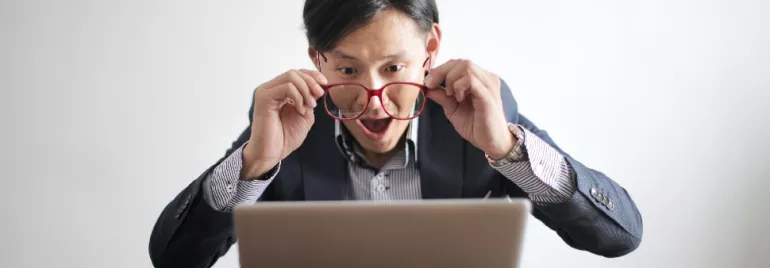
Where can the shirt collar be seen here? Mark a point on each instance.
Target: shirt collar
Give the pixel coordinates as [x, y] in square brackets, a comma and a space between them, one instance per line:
[345, 142]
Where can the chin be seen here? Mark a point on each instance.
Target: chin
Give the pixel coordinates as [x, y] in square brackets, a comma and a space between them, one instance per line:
[379, 147]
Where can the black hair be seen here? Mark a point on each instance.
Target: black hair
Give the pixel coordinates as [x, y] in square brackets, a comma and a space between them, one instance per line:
[328, 21]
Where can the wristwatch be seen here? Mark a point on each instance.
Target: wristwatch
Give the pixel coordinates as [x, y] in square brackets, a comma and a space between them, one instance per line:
[518, 153]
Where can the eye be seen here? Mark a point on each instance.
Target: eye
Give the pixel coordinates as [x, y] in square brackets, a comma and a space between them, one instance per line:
[394, 68]
[347, 70]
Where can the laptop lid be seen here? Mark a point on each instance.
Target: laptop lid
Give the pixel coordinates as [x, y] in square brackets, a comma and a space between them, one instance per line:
[419, 233]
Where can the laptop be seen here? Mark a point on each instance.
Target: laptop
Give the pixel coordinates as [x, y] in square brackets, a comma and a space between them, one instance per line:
[419, 233]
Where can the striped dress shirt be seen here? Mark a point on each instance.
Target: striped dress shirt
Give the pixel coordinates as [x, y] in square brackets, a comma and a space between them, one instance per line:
[543, 173]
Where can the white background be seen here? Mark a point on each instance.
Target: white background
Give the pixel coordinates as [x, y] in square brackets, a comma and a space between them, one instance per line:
[109, 109]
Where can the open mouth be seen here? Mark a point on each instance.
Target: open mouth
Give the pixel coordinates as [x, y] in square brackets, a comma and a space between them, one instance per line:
[376, 127]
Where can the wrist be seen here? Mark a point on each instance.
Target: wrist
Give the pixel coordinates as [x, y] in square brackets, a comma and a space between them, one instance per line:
[506, 146]
[254, 168]
[514, 153]
[256, 172]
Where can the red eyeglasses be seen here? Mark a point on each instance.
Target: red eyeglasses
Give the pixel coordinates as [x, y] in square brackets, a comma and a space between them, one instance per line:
[349, 101]
[400, 100]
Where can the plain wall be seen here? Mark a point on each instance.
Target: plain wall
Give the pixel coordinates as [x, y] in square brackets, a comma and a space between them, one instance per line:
[110, 108]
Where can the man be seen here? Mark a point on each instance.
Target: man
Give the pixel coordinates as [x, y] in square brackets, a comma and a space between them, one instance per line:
[368, 124]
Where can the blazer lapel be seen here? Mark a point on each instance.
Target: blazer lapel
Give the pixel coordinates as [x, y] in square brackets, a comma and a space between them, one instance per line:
[441, 155]
[323, 169]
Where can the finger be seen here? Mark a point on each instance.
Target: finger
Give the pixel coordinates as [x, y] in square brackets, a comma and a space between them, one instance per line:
[282, 78]
[287, 93]
[318, 76]
[438, 74]
[455, 74]
[295, 97]
[461, 87]
[469, 85]
[276, 81]
[296, 78]
[315, 80]
[448, 103]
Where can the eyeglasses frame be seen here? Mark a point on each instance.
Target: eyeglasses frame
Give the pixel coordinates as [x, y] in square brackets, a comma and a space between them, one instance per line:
[378, 93]
[373, 92]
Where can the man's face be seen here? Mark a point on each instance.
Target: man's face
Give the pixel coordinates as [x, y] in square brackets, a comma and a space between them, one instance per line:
[391, 48]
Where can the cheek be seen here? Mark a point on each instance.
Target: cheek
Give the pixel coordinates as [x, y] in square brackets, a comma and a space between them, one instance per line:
[351, 125]
[400, 126]
[355, 130]
[405, 98]
[409, 96]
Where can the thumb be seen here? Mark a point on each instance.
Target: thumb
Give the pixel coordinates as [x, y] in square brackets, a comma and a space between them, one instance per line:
[448, 102]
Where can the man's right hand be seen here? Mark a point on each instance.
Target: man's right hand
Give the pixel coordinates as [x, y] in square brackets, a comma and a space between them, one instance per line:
[283, 115]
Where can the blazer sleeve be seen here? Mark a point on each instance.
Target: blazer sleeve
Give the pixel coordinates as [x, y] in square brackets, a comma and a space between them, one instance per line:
[189, 232]
[600, 217]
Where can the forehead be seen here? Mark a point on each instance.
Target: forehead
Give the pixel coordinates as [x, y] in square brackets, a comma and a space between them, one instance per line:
[387, 33]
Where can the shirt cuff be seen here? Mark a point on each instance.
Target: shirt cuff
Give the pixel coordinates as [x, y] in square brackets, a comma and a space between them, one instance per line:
[223, 189]
[544, 174]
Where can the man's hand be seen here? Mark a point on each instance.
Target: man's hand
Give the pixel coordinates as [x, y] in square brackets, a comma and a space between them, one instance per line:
[473, 105]
[283, 115]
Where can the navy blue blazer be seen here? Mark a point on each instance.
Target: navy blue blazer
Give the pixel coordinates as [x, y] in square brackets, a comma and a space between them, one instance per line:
[600, 217]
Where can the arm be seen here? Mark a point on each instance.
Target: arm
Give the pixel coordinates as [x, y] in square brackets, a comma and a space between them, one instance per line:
[586, 208]
[196, 228]
[223, 189]
[193, 232]
[189, 232]
[538, 169]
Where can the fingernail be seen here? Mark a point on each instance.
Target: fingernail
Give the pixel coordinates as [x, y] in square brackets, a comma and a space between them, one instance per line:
[313, 103]
[428, 79]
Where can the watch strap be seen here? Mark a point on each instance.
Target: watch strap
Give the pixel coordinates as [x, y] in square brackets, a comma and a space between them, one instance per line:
[517, 154]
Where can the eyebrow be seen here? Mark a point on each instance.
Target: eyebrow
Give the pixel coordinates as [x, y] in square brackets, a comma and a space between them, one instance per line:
[342, 55]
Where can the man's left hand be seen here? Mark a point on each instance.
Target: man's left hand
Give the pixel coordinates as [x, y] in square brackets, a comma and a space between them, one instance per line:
[473, 105]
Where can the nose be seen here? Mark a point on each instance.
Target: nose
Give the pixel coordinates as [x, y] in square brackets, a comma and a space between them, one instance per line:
[373, 83]
[374, 109]
[374, 103]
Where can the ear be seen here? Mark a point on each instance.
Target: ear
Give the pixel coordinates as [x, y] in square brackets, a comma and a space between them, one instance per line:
[313, 54]
[434, 42]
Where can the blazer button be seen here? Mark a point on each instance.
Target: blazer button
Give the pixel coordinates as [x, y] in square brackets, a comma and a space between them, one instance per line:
[595, 194]
[601, 198]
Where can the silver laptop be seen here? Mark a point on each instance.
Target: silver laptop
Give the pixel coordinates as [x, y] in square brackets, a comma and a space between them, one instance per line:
[440, 233]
